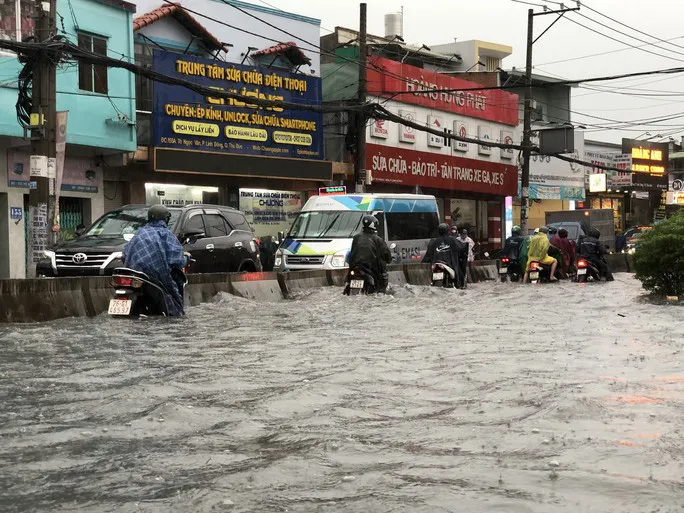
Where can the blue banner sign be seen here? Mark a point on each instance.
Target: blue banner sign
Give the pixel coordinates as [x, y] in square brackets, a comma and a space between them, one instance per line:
[184, 119]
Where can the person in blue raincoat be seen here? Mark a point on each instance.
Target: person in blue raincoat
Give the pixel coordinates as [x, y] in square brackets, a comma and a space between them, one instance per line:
[155, 251]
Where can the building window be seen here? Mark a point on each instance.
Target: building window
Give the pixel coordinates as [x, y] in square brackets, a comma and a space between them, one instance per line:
[143, 85]
[17, 19]
[92, 77]
[492, 63]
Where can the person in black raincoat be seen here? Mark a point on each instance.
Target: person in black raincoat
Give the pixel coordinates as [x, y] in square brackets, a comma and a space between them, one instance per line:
[449, 250]
[370, 253]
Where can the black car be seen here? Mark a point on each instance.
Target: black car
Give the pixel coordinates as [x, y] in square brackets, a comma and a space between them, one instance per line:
[219, 239]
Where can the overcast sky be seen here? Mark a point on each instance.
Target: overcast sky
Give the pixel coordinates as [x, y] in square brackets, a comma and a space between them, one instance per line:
[505, 22]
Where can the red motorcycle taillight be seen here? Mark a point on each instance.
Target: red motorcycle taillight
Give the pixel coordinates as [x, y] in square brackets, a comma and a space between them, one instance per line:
[126, 281]
[582, 264]
[535, 266]
[505, 260]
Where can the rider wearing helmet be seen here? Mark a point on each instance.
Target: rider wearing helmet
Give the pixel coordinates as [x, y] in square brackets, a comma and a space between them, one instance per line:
[370, 252]
[448, 250]
[591, 249]
[155, 251]
[511, 248]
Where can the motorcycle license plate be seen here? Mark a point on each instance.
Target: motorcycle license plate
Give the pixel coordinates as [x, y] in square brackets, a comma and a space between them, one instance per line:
[437, 276]
[120, 306]
[581, 271]
[503, 270]
[356, 284]
[534, 275]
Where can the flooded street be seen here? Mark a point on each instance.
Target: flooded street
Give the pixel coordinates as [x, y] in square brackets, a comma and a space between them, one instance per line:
[556, 398]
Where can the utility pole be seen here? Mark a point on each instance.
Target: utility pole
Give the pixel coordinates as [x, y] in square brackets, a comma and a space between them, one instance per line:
[43, 122]
[527, 128]
[360, 162]
[527, 120]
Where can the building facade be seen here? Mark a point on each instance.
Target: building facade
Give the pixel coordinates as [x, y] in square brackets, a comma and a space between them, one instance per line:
[195, 148]
[100, 120]
[555, 185]
[635, 198]
[474, 184]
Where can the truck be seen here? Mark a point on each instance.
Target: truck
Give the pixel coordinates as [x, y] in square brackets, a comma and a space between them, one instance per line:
[601, 219]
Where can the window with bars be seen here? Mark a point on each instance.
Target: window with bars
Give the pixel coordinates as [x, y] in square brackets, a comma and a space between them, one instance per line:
[491, 63]
[17, 19]
[92, 77]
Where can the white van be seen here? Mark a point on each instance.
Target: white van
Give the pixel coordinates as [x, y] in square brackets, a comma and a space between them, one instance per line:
[321, 235]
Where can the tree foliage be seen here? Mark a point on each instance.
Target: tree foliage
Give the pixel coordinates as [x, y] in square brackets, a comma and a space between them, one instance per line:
[659, 257]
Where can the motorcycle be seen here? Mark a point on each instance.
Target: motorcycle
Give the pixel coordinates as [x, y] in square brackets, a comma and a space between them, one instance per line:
[539, 273]
[443, 275]
[137, 294]
[509, 269]
[359, 281]
[586, 271]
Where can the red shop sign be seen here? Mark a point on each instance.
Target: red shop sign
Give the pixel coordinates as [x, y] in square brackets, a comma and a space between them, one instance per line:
[457, 95]
[409, 167]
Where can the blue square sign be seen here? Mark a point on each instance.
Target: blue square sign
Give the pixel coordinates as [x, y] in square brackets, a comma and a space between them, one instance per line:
[16, 213]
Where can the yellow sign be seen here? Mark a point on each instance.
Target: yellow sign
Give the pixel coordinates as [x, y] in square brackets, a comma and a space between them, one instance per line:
[246, 134]
[292, 138]
[194, 128]
[647, 154]
[645, 168]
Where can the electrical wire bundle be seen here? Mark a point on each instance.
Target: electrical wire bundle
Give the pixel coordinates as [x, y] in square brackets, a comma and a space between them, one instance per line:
[50, 49]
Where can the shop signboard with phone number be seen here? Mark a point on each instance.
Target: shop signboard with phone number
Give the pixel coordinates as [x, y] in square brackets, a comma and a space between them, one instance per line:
[185, 119]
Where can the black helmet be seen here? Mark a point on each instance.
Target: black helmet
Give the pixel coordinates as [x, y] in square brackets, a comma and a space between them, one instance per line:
[516, 230]
[553, 230]
[593, 232]
[563, 233]
[158, 213]
[370, 223]
[443, 228]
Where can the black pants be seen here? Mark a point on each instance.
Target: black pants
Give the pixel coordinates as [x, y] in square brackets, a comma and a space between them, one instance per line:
[604, 270]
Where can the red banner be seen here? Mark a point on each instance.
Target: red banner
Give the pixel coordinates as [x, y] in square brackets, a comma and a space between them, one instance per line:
[409, 167]
[450, 94]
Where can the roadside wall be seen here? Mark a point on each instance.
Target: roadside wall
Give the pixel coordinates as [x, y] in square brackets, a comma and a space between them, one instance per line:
[48, 299]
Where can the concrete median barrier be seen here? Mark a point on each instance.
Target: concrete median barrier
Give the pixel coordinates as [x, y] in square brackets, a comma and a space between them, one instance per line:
[48, 299]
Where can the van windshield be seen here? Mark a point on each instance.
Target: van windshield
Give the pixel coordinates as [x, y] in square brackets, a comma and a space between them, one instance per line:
[124, 222]
[330, 224]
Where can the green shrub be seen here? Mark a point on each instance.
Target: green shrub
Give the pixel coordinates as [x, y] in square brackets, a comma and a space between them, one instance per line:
[659, 257]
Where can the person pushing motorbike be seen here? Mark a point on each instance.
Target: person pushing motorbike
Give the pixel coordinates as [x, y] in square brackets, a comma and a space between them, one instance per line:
[370, 253]
[155, 251]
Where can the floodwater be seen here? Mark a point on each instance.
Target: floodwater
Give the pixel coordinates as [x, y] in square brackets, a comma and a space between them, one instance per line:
[502, 398]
